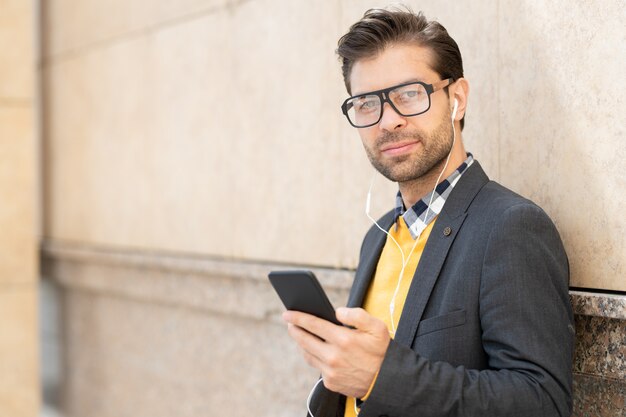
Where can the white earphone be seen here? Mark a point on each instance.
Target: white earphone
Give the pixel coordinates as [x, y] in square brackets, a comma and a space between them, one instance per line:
[456, 106]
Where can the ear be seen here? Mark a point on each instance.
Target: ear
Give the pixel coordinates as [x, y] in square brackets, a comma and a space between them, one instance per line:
[459, 90]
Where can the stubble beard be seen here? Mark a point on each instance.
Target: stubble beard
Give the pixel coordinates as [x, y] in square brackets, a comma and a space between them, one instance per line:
[436, 147]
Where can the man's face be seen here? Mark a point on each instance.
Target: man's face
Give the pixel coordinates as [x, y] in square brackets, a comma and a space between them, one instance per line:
[404, 148]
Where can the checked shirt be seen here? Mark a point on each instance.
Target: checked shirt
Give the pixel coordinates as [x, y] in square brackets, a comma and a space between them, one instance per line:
[419, 216]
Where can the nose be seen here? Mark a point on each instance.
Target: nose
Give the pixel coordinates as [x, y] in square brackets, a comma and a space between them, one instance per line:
[391, 120]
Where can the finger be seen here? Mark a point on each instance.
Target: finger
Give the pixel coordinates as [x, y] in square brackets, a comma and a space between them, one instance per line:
[312, 360]
[359, 319]
[319, 327]
[309, 343]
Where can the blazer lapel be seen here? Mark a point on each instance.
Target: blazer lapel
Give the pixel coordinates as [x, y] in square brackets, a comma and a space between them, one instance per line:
[436, 250]
[426, 275]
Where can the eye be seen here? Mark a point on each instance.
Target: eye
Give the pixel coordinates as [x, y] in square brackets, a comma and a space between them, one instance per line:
[409, 95]
[367, 104]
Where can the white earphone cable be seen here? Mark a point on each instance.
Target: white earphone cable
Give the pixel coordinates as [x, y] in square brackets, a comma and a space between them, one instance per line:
[308, 400]
[405, 262]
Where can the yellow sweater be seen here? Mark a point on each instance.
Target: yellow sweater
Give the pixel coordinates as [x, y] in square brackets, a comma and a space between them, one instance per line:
[385, 280]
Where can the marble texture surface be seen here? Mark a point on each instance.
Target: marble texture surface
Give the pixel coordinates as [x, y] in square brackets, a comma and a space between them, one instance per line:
[600, 347]
[598, 397]
[598, 304]
[600, 354]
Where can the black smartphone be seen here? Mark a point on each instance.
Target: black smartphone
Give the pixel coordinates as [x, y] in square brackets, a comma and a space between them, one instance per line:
[301, 291]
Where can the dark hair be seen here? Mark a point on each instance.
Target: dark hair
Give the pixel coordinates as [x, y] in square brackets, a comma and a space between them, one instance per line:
[380, 28]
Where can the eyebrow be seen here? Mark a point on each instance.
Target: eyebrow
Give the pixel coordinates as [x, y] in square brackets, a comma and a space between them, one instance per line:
[410, 80]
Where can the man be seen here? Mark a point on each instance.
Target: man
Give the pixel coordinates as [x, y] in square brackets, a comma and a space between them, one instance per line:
[459, 305]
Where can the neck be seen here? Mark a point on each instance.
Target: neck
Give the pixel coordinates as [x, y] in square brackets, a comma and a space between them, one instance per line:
[414, 190]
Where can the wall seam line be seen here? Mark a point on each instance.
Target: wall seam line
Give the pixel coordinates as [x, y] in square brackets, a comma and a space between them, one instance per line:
[16, 102]
[499, 66]
[75, 52]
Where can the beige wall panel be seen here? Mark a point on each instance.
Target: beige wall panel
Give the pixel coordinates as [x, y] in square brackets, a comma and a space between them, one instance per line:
[161, 361]
[19, 379]
[16, 49]
[284, 161]
[97, 145]
[563, 126]
[196, 138]
[222, 135]
[18, 244]
[75, 25]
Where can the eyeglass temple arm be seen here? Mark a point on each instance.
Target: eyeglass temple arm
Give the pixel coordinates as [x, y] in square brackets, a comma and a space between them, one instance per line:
[442, 84]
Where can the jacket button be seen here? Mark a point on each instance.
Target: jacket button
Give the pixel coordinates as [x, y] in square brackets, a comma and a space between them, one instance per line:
[447, 231]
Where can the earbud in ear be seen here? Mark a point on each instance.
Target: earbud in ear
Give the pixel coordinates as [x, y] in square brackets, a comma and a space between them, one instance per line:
[456, 106]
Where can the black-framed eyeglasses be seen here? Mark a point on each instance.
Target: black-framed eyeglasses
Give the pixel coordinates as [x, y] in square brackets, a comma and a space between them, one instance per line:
[409, 99]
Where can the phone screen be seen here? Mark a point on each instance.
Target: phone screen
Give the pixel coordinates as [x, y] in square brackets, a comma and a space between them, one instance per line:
[301, 291]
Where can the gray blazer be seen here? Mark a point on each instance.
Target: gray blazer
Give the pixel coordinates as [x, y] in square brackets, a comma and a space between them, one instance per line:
[487, 327]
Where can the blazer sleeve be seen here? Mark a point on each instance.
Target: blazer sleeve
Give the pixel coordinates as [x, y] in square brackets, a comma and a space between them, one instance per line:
[527, 335]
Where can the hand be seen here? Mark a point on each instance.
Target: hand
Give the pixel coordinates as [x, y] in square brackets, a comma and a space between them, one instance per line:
[348, 359]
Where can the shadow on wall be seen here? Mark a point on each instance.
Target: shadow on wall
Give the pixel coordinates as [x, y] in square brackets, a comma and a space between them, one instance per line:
[50, 346]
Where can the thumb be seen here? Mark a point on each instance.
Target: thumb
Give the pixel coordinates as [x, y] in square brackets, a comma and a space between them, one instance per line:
[356, 317]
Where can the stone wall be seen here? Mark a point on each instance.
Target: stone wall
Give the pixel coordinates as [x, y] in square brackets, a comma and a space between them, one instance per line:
[600, 354]
[191, 146]
[19, 395]
[163, 119]
[155, 334]
[152, 334]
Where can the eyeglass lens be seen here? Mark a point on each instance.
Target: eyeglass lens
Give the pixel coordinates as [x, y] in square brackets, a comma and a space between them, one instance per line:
[408, 100]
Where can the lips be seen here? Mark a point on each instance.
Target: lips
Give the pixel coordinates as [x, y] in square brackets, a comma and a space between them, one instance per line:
[397, 148]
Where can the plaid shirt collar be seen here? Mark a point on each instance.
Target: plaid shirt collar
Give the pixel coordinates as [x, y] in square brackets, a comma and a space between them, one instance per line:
[415, 217]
